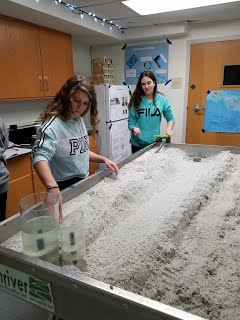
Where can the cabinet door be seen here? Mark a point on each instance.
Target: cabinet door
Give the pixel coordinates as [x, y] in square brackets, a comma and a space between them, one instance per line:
[18, 189]
[21, 69]
[57, 61]
[93, 166]
[20, 182]
[37, 184]
[19, 167]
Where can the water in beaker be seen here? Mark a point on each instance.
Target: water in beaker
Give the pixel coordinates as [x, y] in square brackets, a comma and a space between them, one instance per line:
[41, 238]
[72, 236]
[40, 226]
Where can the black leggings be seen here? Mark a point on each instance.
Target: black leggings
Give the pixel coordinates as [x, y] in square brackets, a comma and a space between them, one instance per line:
[67, 183]
[135, 148]
[3, 202]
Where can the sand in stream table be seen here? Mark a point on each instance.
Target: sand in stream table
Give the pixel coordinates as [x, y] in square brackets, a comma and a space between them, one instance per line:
[162, 229]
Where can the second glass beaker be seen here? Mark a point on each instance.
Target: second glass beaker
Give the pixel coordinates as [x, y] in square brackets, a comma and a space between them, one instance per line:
[72, 237]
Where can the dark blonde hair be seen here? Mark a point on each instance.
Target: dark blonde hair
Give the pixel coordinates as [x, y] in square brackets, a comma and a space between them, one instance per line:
[138, 92]
[61, 105]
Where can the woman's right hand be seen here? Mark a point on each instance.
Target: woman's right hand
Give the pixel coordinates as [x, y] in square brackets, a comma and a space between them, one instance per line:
[136, 131]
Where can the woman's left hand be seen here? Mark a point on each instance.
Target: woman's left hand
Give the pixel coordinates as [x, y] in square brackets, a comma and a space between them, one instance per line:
[112, 166]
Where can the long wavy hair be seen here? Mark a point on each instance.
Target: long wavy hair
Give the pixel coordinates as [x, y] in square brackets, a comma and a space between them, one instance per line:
[138, 92]
[61, 105]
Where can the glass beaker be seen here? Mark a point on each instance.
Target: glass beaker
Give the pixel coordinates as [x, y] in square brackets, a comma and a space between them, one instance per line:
[72, 238]
[39, 213]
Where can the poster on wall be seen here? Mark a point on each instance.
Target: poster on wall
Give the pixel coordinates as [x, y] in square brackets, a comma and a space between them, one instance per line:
[222, 111]
[139, 58]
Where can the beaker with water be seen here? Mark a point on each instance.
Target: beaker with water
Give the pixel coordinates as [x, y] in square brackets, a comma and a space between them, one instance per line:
[72, 238]
[39, 214]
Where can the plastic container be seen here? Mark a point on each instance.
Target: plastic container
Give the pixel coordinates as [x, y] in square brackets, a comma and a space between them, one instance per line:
[72, 238]
[39, 213]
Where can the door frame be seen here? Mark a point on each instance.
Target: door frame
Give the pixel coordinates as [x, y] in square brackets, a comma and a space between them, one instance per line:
[188, 55]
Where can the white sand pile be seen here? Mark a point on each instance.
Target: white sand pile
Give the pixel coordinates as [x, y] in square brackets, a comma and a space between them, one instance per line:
[169, 228]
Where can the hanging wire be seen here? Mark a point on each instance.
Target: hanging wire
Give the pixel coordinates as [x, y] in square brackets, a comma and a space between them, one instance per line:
[79, 11]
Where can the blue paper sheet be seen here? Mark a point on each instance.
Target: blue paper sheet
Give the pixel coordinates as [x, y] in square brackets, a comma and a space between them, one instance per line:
[222, 111]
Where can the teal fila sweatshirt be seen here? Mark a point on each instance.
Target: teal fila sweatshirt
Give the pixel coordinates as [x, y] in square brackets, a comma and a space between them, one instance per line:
[148, 119]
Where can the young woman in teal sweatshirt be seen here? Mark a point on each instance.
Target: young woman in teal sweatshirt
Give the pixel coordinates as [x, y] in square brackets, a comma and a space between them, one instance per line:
[146, 108]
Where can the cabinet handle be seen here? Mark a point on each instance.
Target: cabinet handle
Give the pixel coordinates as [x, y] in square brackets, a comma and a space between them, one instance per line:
[41, 83]
[46, 82]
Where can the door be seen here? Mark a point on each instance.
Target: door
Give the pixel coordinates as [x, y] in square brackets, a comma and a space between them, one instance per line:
[57, 62]
[206, 67]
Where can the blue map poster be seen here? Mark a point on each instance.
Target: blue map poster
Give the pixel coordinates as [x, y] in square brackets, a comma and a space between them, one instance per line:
[222, 111]
[139, 58]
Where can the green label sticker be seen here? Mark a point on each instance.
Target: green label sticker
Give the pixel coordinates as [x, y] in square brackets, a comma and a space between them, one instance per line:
[26, 287]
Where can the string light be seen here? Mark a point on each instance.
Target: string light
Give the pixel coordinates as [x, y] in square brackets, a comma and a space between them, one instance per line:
[79, 11]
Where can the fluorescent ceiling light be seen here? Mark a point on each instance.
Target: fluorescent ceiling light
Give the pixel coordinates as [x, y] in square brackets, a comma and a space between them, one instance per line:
[144, 7]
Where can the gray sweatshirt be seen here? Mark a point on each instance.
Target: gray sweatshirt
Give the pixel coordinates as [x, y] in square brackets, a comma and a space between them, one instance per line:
[4, 174]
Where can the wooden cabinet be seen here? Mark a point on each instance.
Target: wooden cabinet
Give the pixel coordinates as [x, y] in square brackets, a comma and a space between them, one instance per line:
[20, 182]
[35, 61]
[20, 60]
[93, 166]
[57, 60]
[37, 184]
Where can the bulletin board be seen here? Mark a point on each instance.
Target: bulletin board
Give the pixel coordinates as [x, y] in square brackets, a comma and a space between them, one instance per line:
[139, 58]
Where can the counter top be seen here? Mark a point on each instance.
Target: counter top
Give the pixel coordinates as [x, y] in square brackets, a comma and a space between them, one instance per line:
[19, 150]
[15, 152]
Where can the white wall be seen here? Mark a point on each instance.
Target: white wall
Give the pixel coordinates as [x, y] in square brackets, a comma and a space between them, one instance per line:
[81, 58]
[179, 56]
[21, 112]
